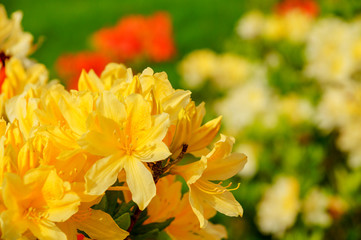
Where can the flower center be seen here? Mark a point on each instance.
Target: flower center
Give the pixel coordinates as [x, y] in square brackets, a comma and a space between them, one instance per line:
[36, 214]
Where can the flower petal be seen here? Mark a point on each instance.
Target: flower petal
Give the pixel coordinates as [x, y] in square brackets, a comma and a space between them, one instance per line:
[101, 225]
[197, 206]
[110, 107]
[103, 174]
[90, 82]
[46, 230]
[222, 202]
[62, 209]
[204, 135]
[12, 226]
[225, 168]
[140, 182]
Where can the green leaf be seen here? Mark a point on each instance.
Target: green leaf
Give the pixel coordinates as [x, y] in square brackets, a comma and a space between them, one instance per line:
[150, 227]
[123, 221]
[112, 197]
[147, 236]
[102, 205]
[123, 208]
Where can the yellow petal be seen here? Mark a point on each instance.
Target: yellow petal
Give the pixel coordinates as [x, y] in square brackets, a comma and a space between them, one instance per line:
[191, 172]
[69, 229]
[197, 206]
[46, 230]
[173, 103]
[75, 108]
[110, 107]
[223, 202]
[225, 168]
[12, 226]
[103, 174]
[101, 143]
[138, 114]
[140, 182]
[101, 225]
[62, 209]
[204, 135]
[158, 131]
[90, 82]
[153, 153]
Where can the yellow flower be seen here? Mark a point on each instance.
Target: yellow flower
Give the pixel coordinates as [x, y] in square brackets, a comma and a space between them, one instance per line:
[190, 131]
[18, 76]
[113, 77]
[13, 41]
[36, 203]
[12, 150]
[169, 203]
[219, 164]
[95, 223]
[127, 135]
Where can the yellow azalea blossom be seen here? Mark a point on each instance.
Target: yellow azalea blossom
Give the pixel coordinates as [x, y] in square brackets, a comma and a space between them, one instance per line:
[17, 77]
[95, 223]
[169, 203]
[219, 164]
[127, 136]
[13, 41]
[12, 141]
[154, 87]
[113, 77]
[62, 116]
[36, 203]
[190, 131]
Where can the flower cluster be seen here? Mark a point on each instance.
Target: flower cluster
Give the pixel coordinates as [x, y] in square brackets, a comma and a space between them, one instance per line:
[137, 36]
[280, 24]
[103, 160]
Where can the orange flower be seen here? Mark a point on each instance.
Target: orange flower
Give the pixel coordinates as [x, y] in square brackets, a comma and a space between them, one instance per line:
[69, 66]
[136, 37]
[309, 7]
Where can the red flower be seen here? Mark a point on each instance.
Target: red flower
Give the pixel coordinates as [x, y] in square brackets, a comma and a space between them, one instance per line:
[136, 37]
[2, 76]
[69, 66]
[306, 6]
[80, 237]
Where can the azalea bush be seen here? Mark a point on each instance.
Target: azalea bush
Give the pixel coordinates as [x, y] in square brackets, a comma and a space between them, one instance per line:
[287, 84]
[125, 156]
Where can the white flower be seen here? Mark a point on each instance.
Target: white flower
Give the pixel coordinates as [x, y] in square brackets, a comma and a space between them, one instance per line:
[332, 59]
[244, 104]
[251, 25]
[279, 207]
[197, 67]
[315, 209]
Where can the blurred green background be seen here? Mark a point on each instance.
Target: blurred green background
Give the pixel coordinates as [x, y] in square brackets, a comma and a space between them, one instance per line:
[66, 25]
